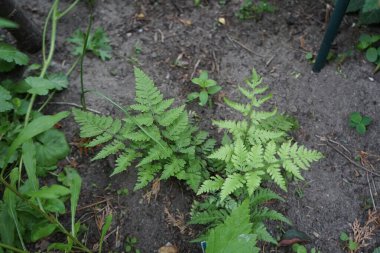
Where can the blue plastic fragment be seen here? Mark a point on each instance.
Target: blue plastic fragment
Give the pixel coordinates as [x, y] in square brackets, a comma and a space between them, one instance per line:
[203, 246]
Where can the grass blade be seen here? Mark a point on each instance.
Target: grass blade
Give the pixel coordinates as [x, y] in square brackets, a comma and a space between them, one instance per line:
[105, 228]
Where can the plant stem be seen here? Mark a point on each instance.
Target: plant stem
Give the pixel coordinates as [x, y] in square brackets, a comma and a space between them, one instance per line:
[5, 246]
[82, 93]
[68, 9]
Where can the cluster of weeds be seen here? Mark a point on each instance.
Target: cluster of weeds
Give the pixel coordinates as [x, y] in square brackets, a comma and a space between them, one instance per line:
[31, 145]
[368, 43]
[207, 87]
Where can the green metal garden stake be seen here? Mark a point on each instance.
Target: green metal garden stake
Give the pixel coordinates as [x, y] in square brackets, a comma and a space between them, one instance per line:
[332, 29]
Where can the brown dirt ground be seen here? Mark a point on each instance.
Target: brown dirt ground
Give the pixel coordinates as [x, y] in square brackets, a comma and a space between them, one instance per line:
[334, 192]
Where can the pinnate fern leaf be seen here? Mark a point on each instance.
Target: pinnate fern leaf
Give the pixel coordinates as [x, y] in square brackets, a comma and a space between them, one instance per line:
[109, 149]
[124, 161]
[231, 184]
[213, 184]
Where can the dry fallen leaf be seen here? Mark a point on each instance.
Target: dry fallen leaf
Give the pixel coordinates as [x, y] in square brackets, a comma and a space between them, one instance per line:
[185, 21]
[168, 248]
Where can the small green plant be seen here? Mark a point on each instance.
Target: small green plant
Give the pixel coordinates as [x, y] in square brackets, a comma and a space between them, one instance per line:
[368, 44]
[359, 122]
[208, 87]
[250, 9]
[97, 43]
[130, 245]
[163, 140]
[349, 243]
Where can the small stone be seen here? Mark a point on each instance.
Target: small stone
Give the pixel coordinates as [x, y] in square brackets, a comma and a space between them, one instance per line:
[293, 108]
[154, 55]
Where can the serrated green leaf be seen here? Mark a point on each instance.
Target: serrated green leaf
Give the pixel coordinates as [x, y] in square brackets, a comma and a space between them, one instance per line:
[39, 86]
[214, 89]
[5, 97]
[11, 54]
[59, 79]
[344, 236]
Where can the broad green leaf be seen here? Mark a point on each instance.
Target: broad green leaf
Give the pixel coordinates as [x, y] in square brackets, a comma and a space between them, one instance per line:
[366, 120]
[105, 228]
[5, 97]
[360, 128]
[355, 117]
[364, 41]
[352, 245]
[54, 206]
[39, 86]
[371, 54]
[214, 89]
[29, 159]
[5, 23]
[6, 66]
[298, 248]
[34, 128]
[11, 54]
[210, 83]
[59, 80]
[344, 237]
[41, 230]
[192, 96]
[51, 146]
[203, 97]
[50, 192]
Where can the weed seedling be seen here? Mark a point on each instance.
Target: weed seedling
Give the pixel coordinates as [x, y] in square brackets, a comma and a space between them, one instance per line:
[351, 245]
[367, 43]
[130, 245]
[208, 87]
[359, 122]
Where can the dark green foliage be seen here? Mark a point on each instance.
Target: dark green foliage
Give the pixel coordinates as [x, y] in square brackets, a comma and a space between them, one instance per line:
[359, 122]
[159, 138]
[369, 10]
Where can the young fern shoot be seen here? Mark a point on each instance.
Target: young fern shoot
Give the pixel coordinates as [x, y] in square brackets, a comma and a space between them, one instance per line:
[260, 149]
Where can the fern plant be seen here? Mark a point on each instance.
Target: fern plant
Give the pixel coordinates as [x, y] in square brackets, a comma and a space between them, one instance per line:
[160, 139]
[260, 148]
[213, 212]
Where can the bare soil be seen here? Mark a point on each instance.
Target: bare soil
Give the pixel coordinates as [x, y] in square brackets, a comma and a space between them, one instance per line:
[334, 192]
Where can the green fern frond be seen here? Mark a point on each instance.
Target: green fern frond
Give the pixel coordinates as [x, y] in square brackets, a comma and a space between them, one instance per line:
[255, 156]
[140, 107]
[274, 171]
[253, 180]
[240, 155]
[163, 106]
[91, 125]
[257, 135]
[170, 116]
[270, 151]
[143, 119]
[106, 136]
[205, 217]
[172, 168]
[145, 175]
[257, 116]
[266, 214]
[224, 153]
[180, 125]
[109, 149]
[262, 233]
[231, 184]
[213, 184]
[208, 146]
[264, 195]
[200, 137]
[242, 108]
[156, 153]
[124, 161]
[146, 92]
